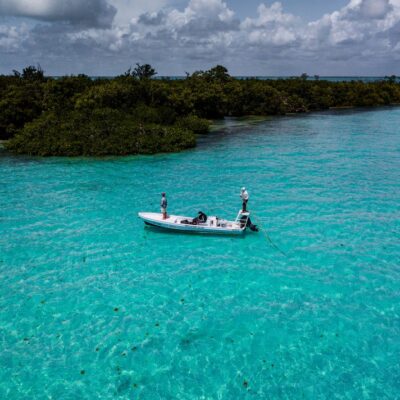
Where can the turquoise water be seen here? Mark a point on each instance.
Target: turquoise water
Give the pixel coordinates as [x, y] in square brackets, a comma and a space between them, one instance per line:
[95, 306]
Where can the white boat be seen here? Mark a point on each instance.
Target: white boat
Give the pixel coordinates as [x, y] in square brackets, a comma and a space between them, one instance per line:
[212, 225]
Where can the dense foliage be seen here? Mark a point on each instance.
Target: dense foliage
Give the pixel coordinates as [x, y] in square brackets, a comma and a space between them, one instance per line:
[135, 114]
[99, 132]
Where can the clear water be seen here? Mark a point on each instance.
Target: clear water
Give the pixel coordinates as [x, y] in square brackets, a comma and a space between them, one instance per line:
[95, 306]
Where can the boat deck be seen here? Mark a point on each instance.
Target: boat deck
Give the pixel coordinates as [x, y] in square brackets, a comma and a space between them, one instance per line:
[175, 222]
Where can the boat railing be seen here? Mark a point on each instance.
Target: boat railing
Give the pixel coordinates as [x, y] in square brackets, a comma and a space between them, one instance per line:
[242, 222]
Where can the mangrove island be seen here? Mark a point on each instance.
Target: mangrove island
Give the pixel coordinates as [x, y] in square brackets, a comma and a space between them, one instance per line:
[136, 114]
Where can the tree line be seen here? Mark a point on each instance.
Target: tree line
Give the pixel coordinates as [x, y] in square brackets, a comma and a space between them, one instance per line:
[136, 114]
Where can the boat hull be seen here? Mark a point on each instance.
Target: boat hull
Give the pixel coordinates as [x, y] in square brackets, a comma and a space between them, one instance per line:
[173, 223]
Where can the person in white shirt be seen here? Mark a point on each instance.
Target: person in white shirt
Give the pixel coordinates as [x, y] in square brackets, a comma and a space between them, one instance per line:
[245, 198]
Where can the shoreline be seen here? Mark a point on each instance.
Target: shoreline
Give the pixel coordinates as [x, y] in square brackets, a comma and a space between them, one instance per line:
[135, 114]
[215, 127]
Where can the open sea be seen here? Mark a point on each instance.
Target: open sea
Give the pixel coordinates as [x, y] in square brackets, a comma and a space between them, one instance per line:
[95, 306]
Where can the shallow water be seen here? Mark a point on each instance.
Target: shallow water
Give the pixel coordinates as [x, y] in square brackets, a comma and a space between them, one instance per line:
[93, 305]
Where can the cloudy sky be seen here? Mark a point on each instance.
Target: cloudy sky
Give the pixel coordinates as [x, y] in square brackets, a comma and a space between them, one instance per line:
[250, 37]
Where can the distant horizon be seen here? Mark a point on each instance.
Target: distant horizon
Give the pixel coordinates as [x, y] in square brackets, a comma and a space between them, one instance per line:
[310, 77]
[158, 75]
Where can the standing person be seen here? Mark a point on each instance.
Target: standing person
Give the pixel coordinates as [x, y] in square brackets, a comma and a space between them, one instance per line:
[164, 204]
[245, 198]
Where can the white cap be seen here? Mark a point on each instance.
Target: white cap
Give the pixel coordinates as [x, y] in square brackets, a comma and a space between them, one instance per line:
[243, 189]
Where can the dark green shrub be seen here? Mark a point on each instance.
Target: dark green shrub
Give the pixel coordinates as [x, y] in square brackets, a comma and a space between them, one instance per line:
[195, 124]
[133, 113]
[102, 132]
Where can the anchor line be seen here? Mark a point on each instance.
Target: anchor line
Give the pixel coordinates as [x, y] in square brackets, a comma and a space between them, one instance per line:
[265, 233]
[256, 219]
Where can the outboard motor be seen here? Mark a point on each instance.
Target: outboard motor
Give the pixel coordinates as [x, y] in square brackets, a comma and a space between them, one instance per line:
[245, 220]
[251, 226]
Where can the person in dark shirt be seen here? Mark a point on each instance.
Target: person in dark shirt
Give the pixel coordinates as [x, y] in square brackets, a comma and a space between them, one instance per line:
[200, 219]
[164, 204]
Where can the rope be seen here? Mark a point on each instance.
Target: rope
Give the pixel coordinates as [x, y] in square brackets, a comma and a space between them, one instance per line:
[265, 233]
[256, 219]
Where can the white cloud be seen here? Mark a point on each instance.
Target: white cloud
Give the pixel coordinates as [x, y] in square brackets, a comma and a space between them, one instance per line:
[88, 12]
[365, 22]
[215, 12]
[129, 9]
[203, 29]
[107, 39]
[362, 36]
[12, 37]
[273, 14]
[375, 8]
[272, 26]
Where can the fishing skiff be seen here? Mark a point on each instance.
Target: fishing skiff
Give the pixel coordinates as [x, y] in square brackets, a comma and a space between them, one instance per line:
[205, 225]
